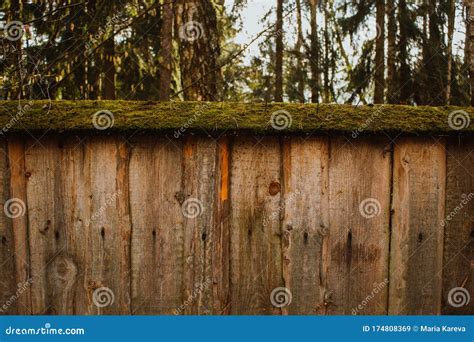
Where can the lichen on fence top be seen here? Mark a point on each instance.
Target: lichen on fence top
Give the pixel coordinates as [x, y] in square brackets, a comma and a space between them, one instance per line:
[279, 118]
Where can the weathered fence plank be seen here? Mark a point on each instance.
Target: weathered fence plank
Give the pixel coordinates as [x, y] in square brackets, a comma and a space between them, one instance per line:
[256, 268]
[76, 199]
[359, 197]
[46, 231]
[156, 176]
[305, 223]
[419, 186]
[213, 226]
[458, 259]
[109, 237]
[200, 156]
[8, 286]
[16, 162]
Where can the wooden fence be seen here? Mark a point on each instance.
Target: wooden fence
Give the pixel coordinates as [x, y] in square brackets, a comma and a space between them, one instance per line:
[313, 224]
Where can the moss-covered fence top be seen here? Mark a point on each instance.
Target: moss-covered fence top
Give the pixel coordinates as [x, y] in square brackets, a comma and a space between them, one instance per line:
[179, 117]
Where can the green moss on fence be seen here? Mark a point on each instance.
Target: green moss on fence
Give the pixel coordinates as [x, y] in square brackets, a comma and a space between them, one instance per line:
[61, 116]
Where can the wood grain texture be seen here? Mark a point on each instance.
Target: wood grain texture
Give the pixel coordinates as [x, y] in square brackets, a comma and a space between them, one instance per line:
[8, 286]
[46, 229]
[458, 259]
[109, 227]
[76, 199]
[305, 223]
[198, 212]
[16, 162]
[359, 215]
[105, 214]
[419, 185]
[256, 268]
[156, 174]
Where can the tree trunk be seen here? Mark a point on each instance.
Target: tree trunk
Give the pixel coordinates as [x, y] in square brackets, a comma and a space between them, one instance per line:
[109, 70]
[199, 49]
[16, 91]
[435, 65]
[94, 58]
[380, 53]
[326, 88]
[391, 53]
[299, 57]
[165, 53]
[405, 72]
[471, 48]
[451, 21]
[314, 54]
[279, 53]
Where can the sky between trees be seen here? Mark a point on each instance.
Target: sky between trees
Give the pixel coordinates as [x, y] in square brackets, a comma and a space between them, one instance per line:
[334, 51]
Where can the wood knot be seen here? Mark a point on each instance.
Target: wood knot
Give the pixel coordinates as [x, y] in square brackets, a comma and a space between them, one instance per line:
[180, 197]
[28, 174]
[274, 188]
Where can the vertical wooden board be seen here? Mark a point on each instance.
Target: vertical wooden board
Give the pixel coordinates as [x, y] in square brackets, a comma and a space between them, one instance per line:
[458, 260]
[16, 163]
[108, 276]
[46, 229]
[75, 196]
[419, 184]
[306, 222]
[359, 215]
[221, 230]
[256, 268]
[157, 226]
[9, 289]
[198, 211]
